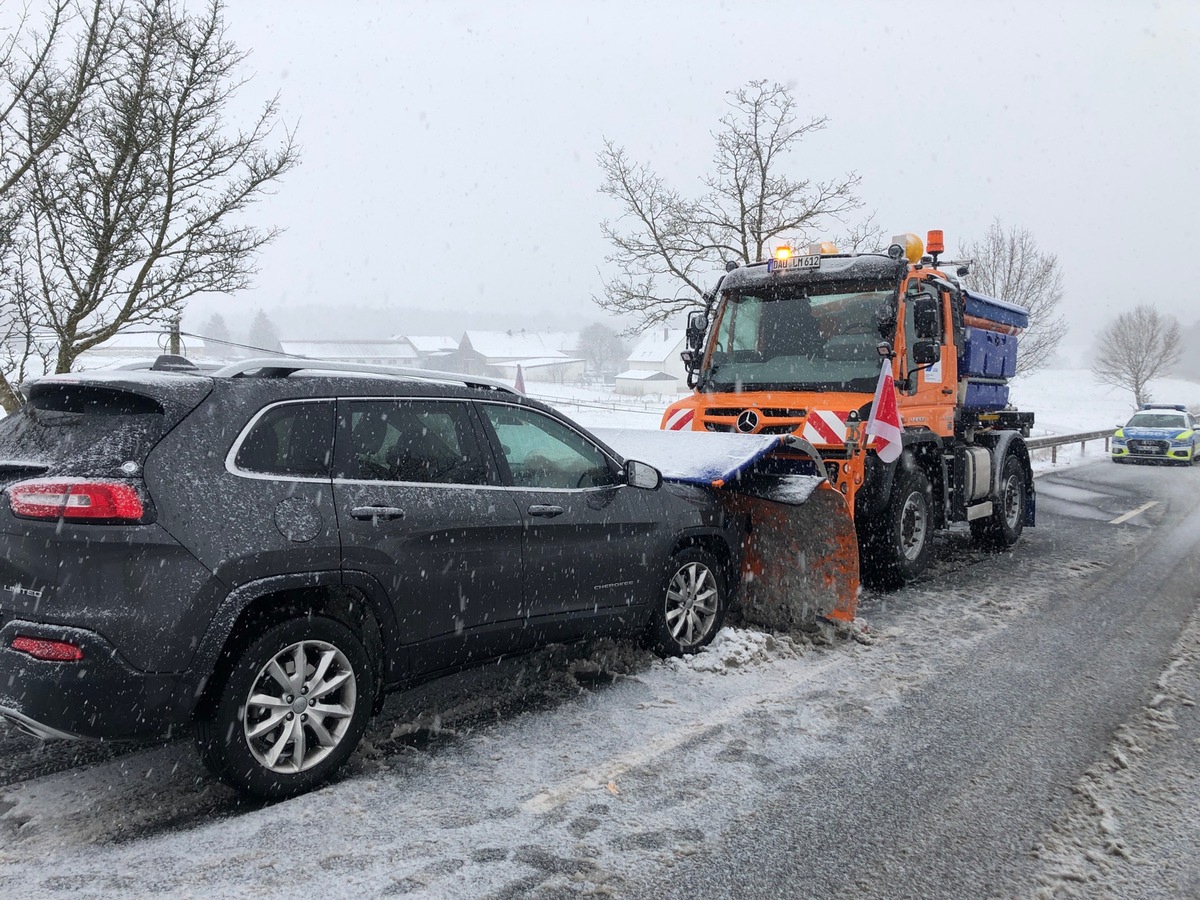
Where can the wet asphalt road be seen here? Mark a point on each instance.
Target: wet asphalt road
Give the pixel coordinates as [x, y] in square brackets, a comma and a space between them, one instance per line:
[931, 764]
[948, 794]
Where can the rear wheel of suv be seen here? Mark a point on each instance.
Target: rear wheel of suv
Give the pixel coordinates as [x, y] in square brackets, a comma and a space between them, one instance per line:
[689, 611]
[294, 707]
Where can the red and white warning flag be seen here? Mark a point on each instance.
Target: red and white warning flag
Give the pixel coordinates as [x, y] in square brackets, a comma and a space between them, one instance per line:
[883, 427]
[519, 383]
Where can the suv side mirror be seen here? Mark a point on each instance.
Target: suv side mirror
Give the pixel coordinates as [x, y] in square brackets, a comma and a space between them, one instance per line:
[642, 475]
[697, 326]
[926, 353]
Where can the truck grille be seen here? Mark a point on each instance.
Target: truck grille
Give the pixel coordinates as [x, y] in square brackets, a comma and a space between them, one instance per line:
[1149, 448]
[773, 420]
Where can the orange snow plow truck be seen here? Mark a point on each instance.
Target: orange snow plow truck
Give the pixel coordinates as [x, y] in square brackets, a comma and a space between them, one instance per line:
[794, 346]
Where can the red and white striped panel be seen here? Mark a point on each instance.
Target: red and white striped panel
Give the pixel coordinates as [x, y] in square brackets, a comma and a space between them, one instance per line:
[825, 427]
[679, 420]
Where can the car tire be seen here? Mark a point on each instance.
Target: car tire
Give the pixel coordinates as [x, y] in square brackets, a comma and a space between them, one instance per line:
[1004, 526]
[253, 746]
[895, 547]
[690, 606]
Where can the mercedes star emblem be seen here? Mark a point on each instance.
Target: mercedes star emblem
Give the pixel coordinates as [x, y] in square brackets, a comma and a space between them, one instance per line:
[747, 421]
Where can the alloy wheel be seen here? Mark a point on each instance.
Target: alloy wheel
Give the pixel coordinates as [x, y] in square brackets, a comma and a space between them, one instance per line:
[299, 706]
[692, 604]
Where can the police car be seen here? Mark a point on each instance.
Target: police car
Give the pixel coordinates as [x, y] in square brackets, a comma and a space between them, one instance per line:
[1160, 432]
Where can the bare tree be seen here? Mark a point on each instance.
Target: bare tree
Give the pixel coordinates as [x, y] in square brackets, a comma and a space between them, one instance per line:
[667, 244]
[37, 82]
[45, 76]
[1008, 265]
[141, 202]
[1137, 348]
[601, 347]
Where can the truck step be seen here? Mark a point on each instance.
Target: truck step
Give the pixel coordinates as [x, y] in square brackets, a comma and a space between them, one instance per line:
[979, 511]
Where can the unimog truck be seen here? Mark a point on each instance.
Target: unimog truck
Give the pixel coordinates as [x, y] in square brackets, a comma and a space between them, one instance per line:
[793, 346]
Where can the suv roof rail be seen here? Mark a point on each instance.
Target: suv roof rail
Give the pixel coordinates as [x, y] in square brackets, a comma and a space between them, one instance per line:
[282, 367]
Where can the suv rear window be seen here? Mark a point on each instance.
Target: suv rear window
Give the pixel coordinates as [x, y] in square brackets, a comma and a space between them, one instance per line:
[292, 439]
[82, 429]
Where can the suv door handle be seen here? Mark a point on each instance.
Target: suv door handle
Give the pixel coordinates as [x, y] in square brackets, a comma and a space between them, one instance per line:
[377, 512]
[546, 512]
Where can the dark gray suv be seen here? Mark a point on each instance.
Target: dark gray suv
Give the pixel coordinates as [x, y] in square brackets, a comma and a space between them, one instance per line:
[260, 552]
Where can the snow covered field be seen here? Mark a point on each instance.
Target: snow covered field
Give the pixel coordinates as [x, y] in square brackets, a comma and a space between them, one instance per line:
[1064, 401]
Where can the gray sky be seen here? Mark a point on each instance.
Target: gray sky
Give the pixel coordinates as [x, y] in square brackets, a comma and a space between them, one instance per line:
[449, 149]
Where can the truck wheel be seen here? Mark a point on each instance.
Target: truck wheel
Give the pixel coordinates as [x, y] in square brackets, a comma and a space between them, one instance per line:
[691, 606]
[1003, 527]
[293, 709]
[894, 548]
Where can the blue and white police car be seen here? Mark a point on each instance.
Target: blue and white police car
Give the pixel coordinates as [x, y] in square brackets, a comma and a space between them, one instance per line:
[1158, 432]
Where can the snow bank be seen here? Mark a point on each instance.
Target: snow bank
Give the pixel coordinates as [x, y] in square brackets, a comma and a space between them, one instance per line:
[735, 650]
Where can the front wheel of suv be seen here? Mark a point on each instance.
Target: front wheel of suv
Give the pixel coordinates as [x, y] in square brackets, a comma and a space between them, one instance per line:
[689, 610]
[293, 709]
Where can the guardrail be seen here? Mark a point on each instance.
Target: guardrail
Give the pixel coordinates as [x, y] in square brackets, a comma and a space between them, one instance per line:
[1054, 441]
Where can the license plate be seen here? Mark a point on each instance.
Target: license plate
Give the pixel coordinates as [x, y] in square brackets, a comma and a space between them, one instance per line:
[794, 263]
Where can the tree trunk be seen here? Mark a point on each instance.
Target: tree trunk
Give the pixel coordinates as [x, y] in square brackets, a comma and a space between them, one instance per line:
[9, 399]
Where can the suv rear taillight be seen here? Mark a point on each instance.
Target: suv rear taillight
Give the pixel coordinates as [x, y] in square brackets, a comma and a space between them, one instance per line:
[98, 502]
[50, 651]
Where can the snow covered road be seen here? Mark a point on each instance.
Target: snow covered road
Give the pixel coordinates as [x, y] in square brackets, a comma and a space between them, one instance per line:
[962, 746]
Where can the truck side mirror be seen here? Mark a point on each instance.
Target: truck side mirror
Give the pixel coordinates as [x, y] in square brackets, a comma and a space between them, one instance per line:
[926, 353]
[697, 327]
[925, 316]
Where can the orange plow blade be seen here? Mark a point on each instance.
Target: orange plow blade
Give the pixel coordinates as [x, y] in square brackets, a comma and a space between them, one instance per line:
[799, 562]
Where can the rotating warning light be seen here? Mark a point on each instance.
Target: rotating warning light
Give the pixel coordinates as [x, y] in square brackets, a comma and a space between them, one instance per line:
[783, 252]
[934, 242]
[907, 245]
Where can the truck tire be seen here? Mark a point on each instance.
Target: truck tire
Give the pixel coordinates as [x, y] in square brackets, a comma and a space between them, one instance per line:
[1003, 527]
[894, 547]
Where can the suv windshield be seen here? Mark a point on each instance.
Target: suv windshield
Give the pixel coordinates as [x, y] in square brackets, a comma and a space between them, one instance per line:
[1157, 420]
[819, 338]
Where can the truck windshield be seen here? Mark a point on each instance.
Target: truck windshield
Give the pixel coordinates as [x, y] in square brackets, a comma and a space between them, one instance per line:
[819, 338]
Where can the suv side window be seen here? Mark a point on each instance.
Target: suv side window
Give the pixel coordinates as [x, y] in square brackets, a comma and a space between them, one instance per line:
[416, 441]
[292, 439]
[542, 452]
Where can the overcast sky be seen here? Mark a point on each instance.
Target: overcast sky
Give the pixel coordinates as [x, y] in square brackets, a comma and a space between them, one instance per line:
[449, 150]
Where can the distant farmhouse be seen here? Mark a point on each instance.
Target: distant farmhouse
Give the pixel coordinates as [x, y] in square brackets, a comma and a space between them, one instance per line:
[543, 356]
[396, 351]
[137, 346]
[653, 365]
[432, 350]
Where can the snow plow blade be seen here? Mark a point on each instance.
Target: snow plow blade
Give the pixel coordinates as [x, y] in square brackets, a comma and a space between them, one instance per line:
[799, 562]
[799, 552]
